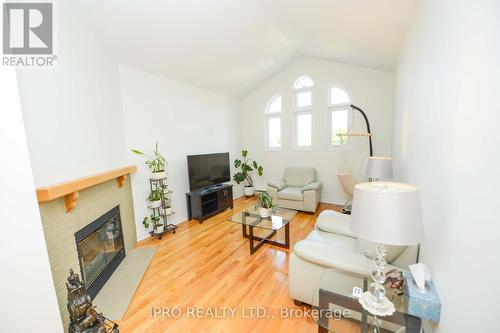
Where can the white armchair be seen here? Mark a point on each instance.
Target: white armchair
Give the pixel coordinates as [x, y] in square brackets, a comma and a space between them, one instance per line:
[331, 245]
[298, 189]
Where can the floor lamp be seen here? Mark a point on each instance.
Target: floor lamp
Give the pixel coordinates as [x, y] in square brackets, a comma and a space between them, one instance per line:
[379, 168]
[368, 129]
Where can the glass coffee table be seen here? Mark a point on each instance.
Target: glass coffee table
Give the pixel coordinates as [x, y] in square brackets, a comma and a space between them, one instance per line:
[279, 218]
[339, 311]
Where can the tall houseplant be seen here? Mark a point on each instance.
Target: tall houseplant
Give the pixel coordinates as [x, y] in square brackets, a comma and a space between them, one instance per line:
[156, 163]
[245, 167]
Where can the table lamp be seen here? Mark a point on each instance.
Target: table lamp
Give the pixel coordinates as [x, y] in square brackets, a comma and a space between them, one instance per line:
[378, 167]
[385, 213]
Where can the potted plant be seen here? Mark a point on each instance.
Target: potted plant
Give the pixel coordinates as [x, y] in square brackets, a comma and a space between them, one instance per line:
[264, 204]
[156, 163]
[165, 190]
[155, 221]
[168, 209]
[245, 166]
[154, 198]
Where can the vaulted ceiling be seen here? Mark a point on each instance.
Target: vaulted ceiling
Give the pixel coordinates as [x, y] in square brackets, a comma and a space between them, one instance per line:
[232, 46]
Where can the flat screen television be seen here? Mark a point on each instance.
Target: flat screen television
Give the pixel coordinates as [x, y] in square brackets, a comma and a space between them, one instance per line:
[208, 170]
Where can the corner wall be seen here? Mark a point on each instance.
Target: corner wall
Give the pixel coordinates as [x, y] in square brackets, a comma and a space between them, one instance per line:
[372, 90]
[446, 141]
[28, 302]
[72, 112]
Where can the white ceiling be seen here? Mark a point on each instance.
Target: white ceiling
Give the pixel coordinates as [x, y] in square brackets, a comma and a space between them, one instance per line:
[232, 46]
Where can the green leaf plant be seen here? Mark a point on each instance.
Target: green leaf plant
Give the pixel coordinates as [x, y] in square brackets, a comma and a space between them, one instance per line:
[156, 162]
[264, 200]
[154, 220]
[155, 195]
[244, 167]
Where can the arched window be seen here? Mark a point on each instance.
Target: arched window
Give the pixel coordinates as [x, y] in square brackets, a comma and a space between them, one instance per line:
[339, 112]
[303, 104]
[338, 97]
[273, 123]
[303, 82]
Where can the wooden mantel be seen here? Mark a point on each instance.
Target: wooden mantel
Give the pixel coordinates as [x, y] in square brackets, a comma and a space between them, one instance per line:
[69, 189]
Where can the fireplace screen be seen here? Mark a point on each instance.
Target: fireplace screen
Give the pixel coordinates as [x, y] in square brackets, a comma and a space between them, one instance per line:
[100, 249]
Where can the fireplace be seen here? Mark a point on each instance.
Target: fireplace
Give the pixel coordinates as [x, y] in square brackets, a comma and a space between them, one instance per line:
[100, 250]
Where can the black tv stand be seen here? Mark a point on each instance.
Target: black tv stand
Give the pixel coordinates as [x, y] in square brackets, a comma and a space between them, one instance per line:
[206, 202]
[212, 188]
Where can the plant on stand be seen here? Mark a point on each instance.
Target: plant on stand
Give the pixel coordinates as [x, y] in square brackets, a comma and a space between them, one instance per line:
[155, 221]
[156, 163]
[245, 167]
[168, 209]
[264, 204]
[158, 199]
[155, 198]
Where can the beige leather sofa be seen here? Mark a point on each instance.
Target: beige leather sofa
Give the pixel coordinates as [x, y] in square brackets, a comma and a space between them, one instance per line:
[331, 245]
[298, 189]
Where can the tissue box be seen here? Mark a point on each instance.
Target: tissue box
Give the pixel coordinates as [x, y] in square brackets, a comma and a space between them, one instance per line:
[423, 305]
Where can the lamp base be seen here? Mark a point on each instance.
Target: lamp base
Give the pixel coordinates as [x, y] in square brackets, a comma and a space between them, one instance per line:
[382, 308]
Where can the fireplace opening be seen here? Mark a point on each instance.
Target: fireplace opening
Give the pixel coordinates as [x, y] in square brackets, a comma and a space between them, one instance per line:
[100, 250]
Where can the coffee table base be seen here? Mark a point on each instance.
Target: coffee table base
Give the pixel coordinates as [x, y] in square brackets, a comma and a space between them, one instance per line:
[266, 239]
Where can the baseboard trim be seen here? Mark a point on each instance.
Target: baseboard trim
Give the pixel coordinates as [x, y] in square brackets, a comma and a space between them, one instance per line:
[334, 201]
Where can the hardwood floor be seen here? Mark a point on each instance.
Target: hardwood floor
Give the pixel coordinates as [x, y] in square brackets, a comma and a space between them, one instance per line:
[208, 267]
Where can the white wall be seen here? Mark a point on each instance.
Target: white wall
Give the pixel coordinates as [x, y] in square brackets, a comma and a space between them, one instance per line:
[184, 120]
[372, 90]
[23, 254]
[446, 140]
[72, 112]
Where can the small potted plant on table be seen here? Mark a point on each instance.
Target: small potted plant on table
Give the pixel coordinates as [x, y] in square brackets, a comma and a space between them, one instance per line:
[245, 166]
[264, 204]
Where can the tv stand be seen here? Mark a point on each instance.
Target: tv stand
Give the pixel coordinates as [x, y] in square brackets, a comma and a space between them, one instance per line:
[212, 188]
[206, 202]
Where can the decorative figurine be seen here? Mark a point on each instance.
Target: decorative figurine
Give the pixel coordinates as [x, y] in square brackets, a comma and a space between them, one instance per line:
[395, 281]
[83, 316]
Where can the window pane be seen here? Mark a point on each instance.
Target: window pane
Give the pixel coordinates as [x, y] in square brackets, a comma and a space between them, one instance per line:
[275, 105]
[338, 96]
[304, 122]
[274, 132]
[304, 99]
[339, 124]
[303, 82]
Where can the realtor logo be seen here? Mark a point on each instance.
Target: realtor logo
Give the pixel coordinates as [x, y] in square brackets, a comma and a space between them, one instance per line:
[27, 28]
[28, 34]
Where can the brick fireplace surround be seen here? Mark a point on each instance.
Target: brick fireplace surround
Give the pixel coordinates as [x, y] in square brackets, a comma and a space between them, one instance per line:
[60, 228]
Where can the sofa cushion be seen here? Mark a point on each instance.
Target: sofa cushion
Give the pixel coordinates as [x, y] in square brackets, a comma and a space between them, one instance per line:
[343, 242]
[334, 222]
[277, 184]
[300, 177]
[334, 257]
[291, 193]
[369, 248]
[312, 186]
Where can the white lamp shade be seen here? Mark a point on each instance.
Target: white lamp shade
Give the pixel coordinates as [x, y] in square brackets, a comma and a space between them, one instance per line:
[379, 167]
[387, 213]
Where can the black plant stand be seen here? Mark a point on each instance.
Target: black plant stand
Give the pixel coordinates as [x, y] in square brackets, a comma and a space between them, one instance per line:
[156, 184]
